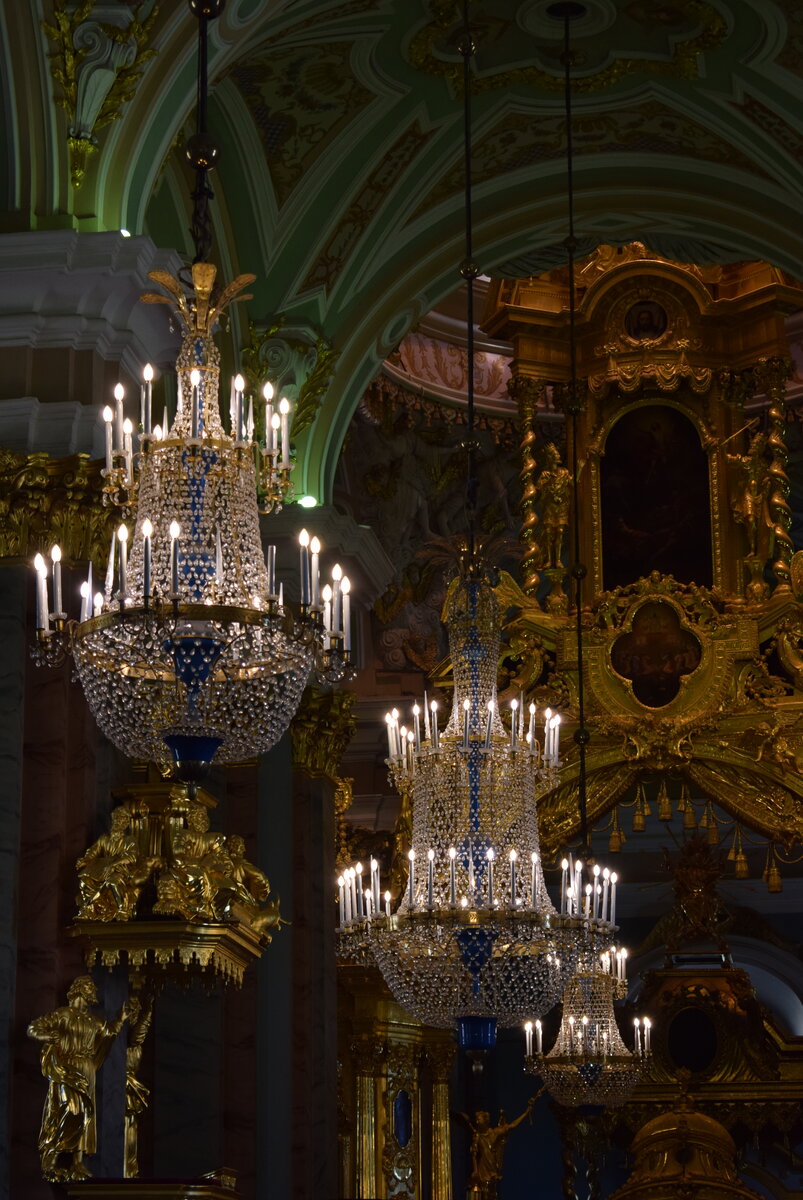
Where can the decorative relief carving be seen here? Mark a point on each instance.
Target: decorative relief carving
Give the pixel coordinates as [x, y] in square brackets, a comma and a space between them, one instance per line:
[321, 730]
[45, 500]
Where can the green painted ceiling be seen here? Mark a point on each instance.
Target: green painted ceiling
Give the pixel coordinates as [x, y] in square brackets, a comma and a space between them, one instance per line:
[341, 131]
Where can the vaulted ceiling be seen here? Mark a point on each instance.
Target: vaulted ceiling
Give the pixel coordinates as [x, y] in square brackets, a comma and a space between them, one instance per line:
[340, 124]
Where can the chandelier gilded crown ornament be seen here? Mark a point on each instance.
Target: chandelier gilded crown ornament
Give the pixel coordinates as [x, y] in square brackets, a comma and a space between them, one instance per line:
[189, 652]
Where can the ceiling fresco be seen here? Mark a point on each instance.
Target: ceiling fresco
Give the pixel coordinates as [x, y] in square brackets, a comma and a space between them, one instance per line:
[340, 180]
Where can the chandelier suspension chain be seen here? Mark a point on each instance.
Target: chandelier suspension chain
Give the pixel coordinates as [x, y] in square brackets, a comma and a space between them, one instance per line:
[578, 570]
[201, 150]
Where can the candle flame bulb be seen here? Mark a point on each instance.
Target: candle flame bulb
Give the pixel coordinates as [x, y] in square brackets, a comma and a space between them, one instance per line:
[122, 534]
[84, 590]
[532, 710]
[239, 383]
[195, 377]
[303, 538]
[119, 391]
[489, 854]
[345, 585]
[147, 372]
[147, 528]
[431, 855]
[315, 545]
[387, 897]
[284, 406]
[337, 572]
[513, 856]
[108, 415]
[175, 530]
[267, 391]
[564, 862]
[411, 855]
[452, 852]
[128, 428]
[55, 554]
[340, 881]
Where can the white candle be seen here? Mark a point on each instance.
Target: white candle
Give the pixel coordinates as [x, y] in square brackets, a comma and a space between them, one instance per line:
[387, 905]
[147, 375]
[337, 600]
[315, 572]
[218, 558]
[128, 451]
[572, 1043]
[614, 878]
[375, 883]
[341, 886]
[596, 892]
[647, 1033]
[452, 879]
[417, 726]
[195, 381]
[108, 417]
[122, 538]
[489, 726]
[358, 886]
[578, 886]
[250, 426]
[430, 877]
[426, 718]
[547, 719]
[514, 723]
[410, 750]
[345, 592]
[303, 566]
[512, 878]
[119, 393]
[434, 710]
[58, 601]
[389, 722]
[564, 870]
[175, 550]
[275, 421]
[533, 880]
[411, 857]
[466, 707]
[284, 413]
[606, 879]
[237, 431]
[623, 965]
[489, 854]
[98, 609]
[637, 1027]
[587, 912]
[270, 563]
[539, 1038]
[349, 911]
[42, 617]
[147, 534]
[85, 601]
[327, 607]
[394, 712]
[531, 729]
[556, 739]
[267, 392]
[528, 1039]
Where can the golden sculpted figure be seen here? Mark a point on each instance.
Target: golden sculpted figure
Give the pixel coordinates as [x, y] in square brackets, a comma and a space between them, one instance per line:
[208, 874]
[487, 1150]
[112, 872]
[554, 488]
[750, 496]
[136, 1094]
[201, 869]
[74, 1044]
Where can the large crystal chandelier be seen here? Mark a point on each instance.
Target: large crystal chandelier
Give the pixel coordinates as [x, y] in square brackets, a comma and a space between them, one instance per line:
[475, 940]
[589, 1063]
[188, 651]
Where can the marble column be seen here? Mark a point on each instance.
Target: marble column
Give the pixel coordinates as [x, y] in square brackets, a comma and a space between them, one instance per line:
[441, 1055]
[12, 684]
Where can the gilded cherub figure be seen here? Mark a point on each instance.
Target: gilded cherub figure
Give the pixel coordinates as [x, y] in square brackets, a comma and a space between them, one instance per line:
[112, 872]
[488, 1144]
[74, 1044]
[553, 488]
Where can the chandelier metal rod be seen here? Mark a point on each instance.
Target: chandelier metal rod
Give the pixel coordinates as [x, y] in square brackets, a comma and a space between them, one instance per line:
[578, 570]
[469, 273]
[201, 150]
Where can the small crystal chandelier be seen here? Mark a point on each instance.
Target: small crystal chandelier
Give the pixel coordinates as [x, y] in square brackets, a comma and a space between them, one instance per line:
[188, 651]
[589, 1063]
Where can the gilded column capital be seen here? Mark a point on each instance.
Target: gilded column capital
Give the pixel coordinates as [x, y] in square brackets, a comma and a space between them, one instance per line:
[527, 392]
[370, 1054]
[45, 500]
[403, 1060]
[440, 1057]
[320, 732]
